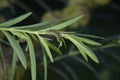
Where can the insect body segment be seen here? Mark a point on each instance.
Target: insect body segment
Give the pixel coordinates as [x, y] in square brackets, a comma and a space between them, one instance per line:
[56, 34]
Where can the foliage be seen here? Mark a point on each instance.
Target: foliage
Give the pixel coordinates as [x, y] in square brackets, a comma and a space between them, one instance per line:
[43, 33]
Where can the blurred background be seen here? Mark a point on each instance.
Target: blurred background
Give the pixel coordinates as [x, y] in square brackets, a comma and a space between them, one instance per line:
[101, 18]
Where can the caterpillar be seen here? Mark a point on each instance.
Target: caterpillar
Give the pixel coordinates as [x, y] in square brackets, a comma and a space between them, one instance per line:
[55, 34]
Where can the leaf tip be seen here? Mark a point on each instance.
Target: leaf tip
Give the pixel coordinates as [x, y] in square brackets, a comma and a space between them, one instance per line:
[52, 61]
[29, 13]
[96, 61]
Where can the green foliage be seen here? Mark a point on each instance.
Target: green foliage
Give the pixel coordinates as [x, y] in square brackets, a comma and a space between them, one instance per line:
[18, 50]
[82, 48]
[15, 21]
[13, 67]
[39, 32]
[32, 57]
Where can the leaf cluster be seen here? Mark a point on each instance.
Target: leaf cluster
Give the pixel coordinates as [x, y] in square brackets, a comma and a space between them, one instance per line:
[38, 32]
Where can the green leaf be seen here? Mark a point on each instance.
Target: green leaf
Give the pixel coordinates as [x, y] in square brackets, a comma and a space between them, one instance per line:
[83, 48]
[34, 37]
[86, 40]
[38, 26]
[21, 35]
[87, 35]
[54, 48]
[13, 66]
[45, 64]
[3, 59]
[89, 52]
[15, 20]
[78, 45]
[16, 47]
[43, 42]
[63, 42]
[63, 25]
[32, 57]
[26, 8]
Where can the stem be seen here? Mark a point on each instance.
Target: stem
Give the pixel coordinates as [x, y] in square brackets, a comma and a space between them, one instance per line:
[24, 31]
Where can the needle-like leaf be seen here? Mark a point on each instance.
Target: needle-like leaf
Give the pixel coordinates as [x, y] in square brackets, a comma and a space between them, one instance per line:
[18, 50]
[54, 48]
[86, 49]
[38, 26]
[43, 42]
[21, 35]
[78, 45]
[90, 36]
[15, 20]
[89, 52]
[63, 25]
[86, 40]
[32, 57]
[45, 64]
[13, 67]
[3, 58]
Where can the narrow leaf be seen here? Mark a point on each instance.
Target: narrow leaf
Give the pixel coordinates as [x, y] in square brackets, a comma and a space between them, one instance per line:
[3, 58]
[77, 44]
[16, 47]
[21, 35]
[54, 48]
[45, 64]
[32, 57]
[34, 37]
[89, 52]
[87, 35]
[65, 24]
[38, 26]
[86, 40]
[15, 20]
[13, 66]
[64, 43]
[42, 41]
